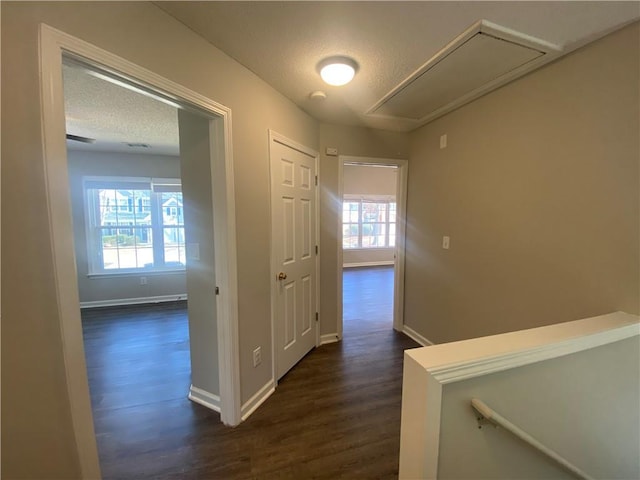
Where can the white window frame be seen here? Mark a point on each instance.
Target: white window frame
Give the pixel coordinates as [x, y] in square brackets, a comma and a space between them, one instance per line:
[360, 199]
[157, 227]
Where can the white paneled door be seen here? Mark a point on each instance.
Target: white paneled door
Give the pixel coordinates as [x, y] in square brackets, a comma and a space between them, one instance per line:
[293, 217]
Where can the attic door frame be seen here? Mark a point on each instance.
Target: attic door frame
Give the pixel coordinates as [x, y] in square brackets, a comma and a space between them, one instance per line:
[52, 45]
[401, 212]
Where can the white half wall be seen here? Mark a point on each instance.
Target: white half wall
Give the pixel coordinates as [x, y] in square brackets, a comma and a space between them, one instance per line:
[574, 386]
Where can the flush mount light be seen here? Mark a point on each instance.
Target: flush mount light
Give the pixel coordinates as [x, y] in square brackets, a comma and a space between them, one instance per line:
[337, 71]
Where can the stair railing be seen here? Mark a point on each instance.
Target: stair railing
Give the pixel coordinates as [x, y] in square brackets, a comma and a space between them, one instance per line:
[487, 414]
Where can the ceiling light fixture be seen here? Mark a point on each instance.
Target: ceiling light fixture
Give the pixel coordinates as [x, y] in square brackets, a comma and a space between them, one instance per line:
[337, 71]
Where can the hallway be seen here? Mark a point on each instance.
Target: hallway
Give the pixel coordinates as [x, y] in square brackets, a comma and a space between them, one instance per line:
[335, 415]
[368, 299]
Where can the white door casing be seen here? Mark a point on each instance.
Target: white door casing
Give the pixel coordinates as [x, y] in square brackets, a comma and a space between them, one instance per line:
[294, 254]
[53, 44]
[399, 263]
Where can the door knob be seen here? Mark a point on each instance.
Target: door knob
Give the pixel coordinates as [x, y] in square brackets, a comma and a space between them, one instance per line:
[282, 276]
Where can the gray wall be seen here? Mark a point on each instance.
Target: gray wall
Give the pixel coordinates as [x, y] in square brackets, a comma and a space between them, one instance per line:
[201, 281]
[41, 432]
[538, 190]
[584, 406]
[105, 288]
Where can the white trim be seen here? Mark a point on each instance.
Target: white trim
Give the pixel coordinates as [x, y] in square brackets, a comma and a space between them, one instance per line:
[369, 249]
[368, 264]
[427, 370]
[204, 398]
[401, 222]
[340, 251]
[319, 255]
[419, 428]
[133, 301]
[274, 268]
[287, 142]
[549, 51]
[456, 372]
[258, 399]
[412, 334]
[329, 338]
[58, 207]
[52, 44]
[226, 268]
[145, 273]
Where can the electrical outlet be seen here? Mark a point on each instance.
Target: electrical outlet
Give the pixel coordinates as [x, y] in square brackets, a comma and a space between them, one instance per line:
[257, 357]
[445, 242]
[143, 280]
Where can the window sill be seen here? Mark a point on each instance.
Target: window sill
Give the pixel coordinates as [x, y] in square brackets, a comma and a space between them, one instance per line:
[367, 249]
[141, 273]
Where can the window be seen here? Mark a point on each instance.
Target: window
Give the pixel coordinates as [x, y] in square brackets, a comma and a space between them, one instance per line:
[121, 238]
[368, 223]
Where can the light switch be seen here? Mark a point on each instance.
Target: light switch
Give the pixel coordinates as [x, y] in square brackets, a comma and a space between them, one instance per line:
[445, 242]
[443, 141]
[193, 251]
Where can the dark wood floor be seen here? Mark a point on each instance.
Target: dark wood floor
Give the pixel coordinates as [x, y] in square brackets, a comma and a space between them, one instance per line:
[367, 300]
[335, 415]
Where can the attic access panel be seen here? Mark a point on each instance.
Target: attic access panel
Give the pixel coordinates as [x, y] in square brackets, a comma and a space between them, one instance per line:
[483, 58]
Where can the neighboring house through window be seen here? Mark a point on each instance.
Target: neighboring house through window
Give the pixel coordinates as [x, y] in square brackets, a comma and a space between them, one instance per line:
[134, 224]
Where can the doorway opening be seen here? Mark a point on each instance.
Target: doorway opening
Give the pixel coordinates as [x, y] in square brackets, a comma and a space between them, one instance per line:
[371, 244]
[143, 237]
[212, 135]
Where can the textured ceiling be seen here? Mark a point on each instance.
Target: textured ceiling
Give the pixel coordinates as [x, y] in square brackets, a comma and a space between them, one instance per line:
[282, 42]
[116, 116]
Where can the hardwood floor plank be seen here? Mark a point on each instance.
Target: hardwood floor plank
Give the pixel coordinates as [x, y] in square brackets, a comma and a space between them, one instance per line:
[335, 415]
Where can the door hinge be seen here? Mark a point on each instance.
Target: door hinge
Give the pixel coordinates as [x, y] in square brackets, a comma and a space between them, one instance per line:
[217, 290]
[317, 316]
[316, 249]
[316, 180]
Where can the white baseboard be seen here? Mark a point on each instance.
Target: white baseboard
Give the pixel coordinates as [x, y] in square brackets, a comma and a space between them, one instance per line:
[329, 338]
[411, 333]
[256, 400]
[207, 399]
[368, 264]
[133, 301]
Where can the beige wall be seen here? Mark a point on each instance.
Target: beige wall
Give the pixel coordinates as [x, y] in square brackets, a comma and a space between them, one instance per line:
[106, 288]
[35, 406]
[367, 180]
[352, 141]
[538, 190]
